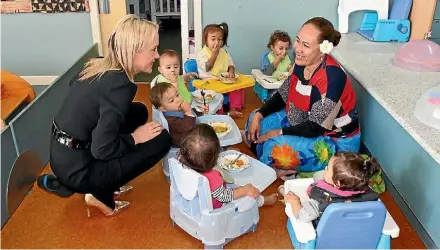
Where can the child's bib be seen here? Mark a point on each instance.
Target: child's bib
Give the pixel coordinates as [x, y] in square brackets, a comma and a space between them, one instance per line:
[283, 66]
[221, 64]
[181, 87]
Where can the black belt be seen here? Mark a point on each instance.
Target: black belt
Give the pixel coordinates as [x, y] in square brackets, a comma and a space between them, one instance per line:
[64, 139]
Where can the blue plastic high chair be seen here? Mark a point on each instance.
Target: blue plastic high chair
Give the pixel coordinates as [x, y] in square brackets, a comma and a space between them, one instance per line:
[396, 28]
[354, 225]
[261, 92]
[190, 66]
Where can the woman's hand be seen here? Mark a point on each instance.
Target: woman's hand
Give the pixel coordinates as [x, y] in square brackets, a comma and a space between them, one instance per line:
[268, 135]
[146, 132]
[254, 127]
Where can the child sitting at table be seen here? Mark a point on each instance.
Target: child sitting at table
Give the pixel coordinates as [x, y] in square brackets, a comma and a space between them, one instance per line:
[346, 179]
[179, 115]
[213, 60]
[169, 68]
[200, 151]
[277, 60]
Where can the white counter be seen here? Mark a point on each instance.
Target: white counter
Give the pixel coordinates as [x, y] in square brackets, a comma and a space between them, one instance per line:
[396, 89]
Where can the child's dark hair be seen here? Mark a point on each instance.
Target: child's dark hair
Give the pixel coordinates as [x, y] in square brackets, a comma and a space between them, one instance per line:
[169, 53]
[200, 148]
[210, 28]
[157, 92]
[279, 35]
[352, 172]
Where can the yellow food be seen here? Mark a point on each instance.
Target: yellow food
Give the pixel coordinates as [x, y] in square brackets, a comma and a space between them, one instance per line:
[220, 129]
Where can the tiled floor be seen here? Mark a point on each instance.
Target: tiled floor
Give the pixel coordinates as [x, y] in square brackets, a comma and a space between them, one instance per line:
[46, 221]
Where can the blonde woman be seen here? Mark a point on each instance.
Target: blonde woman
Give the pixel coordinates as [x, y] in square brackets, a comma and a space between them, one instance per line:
[100, 139]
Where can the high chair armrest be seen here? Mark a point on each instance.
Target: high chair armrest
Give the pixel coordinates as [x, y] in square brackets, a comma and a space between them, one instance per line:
[390, 227]
[243, 204]
[298, 187]
[304, 231]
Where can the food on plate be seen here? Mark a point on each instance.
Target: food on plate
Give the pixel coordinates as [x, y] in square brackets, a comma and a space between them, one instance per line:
[220, 128]
[208, 98]
[282, 76]
[231, 162]
[225, 79]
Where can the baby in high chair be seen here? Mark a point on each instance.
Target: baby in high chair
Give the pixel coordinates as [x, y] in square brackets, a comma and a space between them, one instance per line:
[200, 151]
[213, 60]
[345, 180]
[277, 60]
[169, 68]
[179, 115]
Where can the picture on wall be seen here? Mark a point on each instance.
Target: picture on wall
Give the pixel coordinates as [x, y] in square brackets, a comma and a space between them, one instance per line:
[55, 6]
[15, 6]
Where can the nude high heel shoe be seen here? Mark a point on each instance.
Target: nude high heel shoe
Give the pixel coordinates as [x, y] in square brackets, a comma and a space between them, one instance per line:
[92, 202]
[122, 191]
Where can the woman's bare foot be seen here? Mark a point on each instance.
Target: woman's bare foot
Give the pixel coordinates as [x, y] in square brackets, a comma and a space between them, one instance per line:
[235, 113]
[280, 173]
[270, 199]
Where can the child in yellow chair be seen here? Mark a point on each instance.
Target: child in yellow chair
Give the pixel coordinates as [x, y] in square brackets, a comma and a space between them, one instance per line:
[214, 60]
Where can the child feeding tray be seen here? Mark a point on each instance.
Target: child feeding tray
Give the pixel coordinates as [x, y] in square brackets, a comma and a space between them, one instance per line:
[226, 139]
[221, 128]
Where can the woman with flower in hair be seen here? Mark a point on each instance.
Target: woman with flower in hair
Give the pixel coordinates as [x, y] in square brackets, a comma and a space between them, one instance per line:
[313, 114]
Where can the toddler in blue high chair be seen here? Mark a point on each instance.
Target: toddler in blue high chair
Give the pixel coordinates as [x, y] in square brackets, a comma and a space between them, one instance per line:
[277, 60]
[346, 179]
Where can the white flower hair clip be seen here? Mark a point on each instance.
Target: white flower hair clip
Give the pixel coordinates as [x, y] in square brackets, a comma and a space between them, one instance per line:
[326, 47]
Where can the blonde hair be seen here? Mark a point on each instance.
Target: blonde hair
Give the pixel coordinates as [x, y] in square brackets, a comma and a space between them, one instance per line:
[127, 39]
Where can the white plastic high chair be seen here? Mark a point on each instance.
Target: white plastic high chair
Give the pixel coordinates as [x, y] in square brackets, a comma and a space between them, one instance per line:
[234, 137]
[191, 209]
[342, 225]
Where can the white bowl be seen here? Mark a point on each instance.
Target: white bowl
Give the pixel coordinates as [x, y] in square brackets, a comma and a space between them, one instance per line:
[221, 124]
[224, 160]
[227, 80]
[209, 95]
